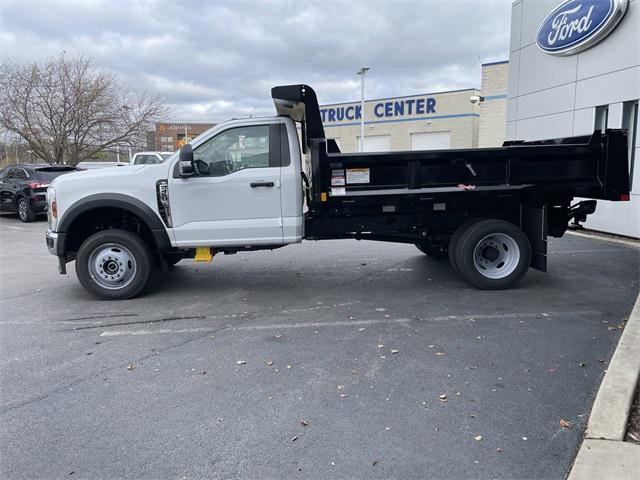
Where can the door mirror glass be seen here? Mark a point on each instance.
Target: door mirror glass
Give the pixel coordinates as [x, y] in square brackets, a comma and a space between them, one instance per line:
[186, 167]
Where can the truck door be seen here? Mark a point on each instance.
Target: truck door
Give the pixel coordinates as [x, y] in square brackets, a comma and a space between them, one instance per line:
[234, 198]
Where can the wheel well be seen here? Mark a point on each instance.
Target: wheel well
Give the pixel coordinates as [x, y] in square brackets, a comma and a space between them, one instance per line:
[105, 218]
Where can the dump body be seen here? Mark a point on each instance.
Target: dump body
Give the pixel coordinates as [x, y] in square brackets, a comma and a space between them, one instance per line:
[422, 197]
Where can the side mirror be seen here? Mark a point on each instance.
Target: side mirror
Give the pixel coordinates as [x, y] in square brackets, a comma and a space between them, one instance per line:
[185, 164]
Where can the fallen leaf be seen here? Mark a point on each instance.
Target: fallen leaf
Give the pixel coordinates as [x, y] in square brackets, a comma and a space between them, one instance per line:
[478, 437]
[499, 450]
[288, 366]
[343, 395]
[380, 345]
[131, 367]
[443, 397]
[375, 462]
[394, 350]
[525, 438]
[440, 353]
[565, 423]
[241, 362]
[204, 372]
[582, 364]
[304, 422]
[294, 438]
[269, 363]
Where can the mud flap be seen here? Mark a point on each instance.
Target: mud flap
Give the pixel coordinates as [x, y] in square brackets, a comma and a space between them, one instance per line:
[534, 224]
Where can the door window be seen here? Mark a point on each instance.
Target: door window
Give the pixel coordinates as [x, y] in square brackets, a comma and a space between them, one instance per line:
[232, 150]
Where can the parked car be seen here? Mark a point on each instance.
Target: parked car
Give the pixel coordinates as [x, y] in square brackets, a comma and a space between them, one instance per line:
[149, 158]
[23, 188]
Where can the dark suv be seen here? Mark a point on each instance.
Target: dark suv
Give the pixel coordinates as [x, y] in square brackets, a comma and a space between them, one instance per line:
[23, 188]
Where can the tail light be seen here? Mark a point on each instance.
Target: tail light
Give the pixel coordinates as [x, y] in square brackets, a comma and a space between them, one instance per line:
[34, 185]
[625, 197]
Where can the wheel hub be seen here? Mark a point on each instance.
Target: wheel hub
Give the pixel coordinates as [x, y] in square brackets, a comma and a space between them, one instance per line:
[112, 266]
[496, 256]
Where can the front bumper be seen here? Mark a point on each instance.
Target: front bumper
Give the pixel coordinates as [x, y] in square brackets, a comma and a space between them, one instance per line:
[52, 242]
[53, 245]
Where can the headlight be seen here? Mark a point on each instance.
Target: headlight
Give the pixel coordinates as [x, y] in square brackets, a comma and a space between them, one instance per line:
[52, 209]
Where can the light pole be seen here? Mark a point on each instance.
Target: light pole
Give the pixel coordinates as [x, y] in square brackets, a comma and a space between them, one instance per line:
[362, 72]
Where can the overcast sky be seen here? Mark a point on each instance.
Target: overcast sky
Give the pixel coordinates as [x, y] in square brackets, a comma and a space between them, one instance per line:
[216, 60]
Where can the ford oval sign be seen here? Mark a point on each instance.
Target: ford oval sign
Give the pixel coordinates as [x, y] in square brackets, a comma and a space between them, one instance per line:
[576, 25]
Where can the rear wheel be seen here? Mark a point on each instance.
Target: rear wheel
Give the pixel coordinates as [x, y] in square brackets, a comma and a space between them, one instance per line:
[24, 211]
[113, 264]
[493, 254]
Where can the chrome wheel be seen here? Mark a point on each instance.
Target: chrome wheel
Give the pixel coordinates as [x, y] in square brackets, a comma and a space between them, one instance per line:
[22, 210]
[112, 266]
[496, 256]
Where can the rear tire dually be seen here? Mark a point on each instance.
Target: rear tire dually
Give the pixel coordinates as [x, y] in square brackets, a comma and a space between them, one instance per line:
[492, 254]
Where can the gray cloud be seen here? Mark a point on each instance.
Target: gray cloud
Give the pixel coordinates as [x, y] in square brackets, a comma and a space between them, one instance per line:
[215, 60]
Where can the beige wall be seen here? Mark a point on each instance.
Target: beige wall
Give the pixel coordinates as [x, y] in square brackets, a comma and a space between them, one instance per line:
[493, 110]
[453, 113]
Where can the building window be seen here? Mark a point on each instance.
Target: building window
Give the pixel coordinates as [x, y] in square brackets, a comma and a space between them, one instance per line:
[630, 123]
[601, 117]
[166, 139]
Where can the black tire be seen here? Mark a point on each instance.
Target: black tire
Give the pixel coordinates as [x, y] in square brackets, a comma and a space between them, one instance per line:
[453, 241]
[432, 251]
[135, 265]
[502, 262]
[24, 211]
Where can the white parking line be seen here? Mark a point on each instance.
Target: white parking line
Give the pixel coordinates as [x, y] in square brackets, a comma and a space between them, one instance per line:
[352, 323]
[339, 323]
[162, 331]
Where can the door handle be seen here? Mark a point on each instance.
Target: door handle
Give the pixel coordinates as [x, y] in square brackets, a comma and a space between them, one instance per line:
[262, 184]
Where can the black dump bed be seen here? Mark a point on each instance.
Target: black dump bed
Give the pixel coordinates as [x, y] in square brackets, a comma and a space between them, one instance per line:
[589, 166]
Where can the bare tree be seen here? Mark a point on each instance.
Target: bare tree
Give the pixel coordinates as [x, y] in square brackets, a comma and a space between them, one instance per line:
[67, 110]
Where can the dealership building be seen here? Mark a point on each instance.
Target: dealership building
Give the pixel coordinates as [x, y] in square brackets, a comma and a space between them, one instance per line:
[432, 120]
[574, 67]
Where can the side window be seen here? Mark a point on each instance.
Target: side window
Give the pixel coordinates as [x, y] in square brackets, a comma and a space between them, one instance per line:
[17, 174]
[232, 150]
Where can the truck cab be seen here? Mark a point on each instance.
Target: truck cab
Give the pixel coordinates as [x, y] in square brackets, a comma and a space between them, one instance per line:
[245, 188]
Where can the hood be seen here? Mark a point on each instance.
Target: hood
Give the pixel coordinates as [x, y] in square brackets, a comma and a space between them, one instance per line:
[150, 172]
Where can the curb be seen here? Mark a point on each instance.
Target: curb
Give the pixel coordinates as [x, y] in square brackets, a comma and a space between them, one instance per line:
[604, 454]
[595, 235]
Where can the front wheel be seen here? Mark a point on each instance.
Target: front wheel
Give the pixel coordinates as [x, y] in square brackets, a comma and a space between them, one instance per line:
[113, 264]
[493, 254]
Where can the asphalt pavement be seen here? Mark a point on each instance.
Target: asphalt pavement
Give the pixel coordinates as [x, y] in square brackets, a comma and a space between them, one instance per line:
[336, 359]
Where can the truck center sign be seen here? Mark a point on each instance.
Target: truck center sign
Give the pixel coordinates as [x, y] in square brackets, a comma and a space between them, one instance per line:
[388, 109]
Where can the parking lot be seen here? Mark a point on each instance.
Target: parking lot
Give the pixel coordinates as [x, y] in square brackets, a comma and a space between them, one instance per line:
[338, 359]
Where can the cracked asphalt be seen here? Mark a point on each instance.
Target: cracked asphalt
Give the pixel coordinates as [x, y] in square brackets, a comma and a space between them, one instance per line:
[214, 370]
